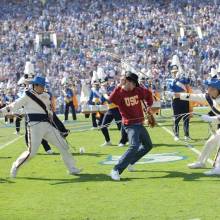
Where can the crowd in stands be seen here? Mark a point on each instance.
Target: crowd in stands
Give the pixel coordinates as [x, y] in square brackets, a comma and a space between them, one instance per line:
[145, 33]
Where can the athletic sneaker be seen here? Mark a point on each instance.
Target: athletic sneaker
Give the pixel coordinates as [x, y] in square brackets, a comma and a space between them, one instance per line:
[115, 175]
[75, 171]
[196, 165]
[131, 168]
[17, 133]
[214, 171]
[176, 138]
[107, 143]
[13, 171]
[121, 145]
[49, 152]
[187, 138]
[93, 128]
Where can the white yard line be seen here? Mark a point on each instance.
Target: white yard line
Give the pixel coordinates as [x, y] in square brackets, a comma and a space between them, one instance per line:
[189, 146]
[10, 142]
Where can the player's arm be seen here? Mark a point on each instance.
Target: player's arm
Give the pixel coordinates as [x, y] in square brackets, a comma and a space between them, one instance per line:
[14, 106]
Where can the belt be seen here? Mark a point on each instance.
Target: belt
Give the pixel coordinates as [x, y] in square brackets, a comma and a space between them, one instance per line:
[37, 117]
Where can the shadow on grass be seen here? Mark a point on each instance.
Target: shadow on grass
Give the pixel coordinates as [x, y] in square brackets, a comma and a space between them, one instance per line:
[176, 174]
[167, 145]
[75, 154]
[80, 178]
[6, 180]
[89, 154]
[5, 158]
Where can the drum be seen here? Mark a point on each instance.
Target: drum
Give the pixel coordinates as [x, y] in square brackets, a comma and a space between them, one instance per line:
[85, 109]
[156, 104]
[103, 108]
[156, 107]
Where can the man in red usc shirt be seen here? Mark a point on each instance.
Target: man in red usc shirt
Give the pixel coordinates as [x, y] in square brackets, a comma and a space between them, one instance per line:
[129, 96]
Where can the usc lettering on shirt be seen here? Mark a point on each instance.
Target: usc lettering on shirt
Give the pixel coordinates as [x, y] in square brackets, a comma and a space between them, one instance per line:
[131, 101]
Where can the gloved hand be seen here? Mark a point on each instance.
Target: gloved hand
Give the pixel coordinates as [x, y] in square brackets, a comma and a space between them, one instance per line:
[208, 118]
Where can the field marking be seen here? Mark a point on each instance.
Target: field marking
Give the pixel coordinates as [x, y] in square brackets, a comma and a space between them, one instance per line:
[189, 146]
[10, 142]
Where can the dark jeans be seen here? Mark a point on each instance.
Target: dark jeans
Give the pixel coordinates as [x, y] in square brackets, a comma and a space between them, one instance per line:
[108, 118]
[67, 106]
[140, 144]
[94, 118]
[181, 107]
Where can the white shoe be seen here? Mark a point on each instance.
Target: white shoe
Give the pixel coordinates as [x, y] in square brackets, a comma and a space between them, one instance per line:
[196, 165]
[187, 138]
[13, 171]
[176, 138]
[115, 175]
[75, 171]
[121, 145]
[49, 152]
[93, 128]
[17, 133]
[107, 143]
[214, 171]
[131, 168]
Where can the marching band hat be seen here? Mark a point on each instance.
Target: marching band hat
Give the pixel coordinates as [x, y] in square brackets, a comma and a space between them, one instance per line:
[214, 83]
[39, 80]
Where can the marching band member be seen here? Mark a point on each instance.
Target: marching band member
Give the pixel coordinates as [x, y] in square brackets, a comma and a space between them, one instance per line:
[24, 84]
[213, 99]
[129, 96]
[68, 98]
[154, 88]
[85, 92]
[37, 107]
[95, 99]
[180, 107]
[112, 114]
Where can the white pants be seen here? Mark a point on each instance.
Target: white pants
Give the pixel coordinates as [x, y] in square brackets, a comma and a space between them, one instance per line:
[212, 143]
[44, 130]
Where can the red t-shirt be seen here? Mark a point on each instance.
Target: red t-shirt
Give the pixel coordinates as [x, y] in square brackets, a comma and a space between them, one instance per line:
[129, 103]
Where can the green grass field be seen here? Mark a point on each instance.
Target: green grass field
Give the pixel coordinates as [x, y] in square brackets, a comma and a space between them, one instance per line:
[162, 190]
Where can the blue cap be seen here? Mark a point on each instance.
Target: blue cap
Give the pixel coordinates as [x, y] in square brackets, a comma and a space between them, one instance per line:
[214, 83]
[39, 80]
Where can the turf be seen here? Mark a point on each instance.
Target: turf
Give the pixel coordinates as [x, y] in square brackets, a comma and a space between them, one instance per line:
[43, 189]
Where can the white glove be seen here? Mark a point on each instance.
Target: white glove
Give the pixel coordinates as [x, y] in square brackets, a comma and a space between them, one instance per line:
[208, 118]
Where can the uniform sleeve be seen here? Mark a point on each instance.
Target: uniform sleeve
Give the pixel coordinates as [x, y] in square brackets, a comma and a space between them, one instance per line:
[193, 97]
[14, 106]
[115, 96]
